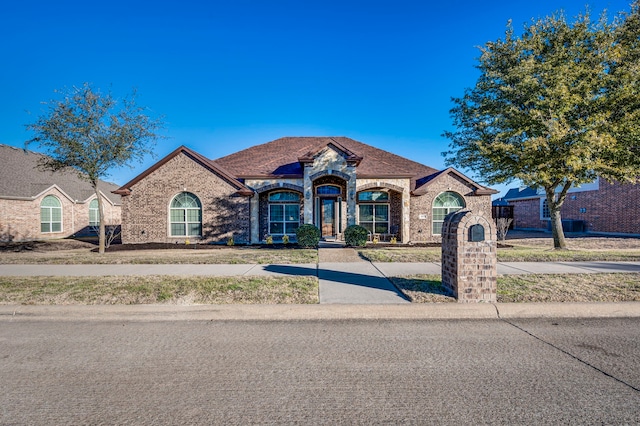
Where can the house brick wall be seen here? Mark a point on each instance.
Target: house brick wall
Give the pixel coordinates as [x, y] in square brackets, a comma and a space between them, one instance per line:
[422, 206]
[21, 218]
[145, 212]
[526, 214]
[613, 208]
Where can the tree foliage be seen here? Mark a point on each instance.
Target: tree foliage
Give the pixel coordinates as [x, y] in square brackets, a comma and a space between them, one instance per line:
[554, 107]
[91, 132]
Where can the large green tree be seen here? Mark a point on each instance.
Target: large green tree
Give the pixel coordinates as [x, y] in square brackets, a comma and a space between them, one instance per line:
[554, 107]
[90, 133]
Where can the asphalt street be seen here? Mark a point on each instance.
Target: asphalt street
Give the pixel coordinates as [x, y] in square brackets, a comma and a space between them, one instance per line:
[491, 371]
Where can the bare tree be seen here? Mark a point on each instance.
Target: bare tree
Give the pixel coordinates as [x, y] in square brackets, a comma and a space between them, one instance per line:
[90, 133]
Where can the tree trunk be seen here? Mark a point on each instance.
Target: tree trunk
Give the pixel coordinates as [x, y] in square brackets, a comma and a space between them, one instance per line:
[101, 232]
[556, 228]
[555, 201]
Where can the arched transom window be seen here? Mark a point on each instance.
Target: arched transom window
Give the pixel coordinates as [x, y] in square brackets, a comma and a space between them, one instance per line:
[50, 214]
[186, 215]
[94, 213]
[445, 203]
[328, 190]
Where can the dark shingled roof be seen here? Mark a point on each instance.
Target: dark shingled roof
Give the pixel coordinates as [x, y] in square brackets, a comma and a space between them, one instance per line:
[527, 192]
[21, 178]
[281, 158]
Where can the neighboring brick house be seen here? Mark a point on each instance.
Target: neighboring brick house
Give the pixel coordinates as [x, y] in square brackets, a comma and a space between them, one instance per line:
[36, 205]
[601, 207]
[272, 188]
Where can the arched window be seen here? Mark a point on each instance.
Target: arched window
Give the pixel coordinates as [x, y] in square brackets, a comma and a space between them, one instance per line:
[373, 196]
[284, 196]
[445, 203]
[284, 213]
[50, 214]
[186, 215]
[328, 190]
[94, 213]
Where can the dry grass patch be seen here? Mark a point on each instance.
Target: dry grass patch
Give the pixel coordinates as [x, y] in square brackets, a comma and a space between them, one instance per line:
[402, 254]
[423, 288]
[118, 290]
[508, 254]
[238, 255]
[570, 288]
[539, 254]
[534, 288]
[580, 243]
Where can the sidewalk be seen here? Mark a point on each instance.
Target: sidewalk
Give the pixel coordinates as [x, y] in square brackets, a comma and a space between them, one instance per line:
[379, 269]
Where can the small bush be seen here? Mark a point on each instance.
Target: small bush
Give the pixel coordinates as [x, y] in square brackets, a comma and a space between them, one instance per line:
[269, 240]
[308, 235]
[356, 235]
[285, 239]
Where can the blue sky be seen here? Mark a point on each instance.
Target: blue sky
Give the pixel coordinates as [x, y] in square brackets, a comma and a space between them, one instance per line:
[230, 75]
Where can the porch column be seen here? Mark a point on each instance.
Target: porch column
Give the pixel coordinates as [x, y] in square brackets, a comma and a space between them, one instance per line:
[406, 216]
[308, 195]
[255, 218]
[351, 196]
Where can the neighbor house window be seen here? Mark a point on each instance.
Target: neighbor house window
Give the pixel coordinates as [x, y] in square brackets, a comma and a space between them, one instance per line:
[50, 214]
[284, 213]
[186, 215]
[445, 203]
[544, 209]
[94, 213]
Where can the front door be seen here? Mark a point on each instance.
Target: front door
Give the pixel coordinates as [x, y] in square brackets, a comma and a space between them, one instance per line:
[328, 217]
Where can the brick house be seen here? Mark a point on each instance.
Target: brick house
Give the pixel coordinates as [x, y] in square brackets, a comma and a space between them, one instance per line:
[601, 207]
[272, 188]
[36, 205]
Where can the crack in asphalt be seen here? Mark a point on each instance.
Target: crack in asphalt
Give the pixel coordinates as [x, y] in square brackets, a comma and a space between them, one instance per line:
[588, 364]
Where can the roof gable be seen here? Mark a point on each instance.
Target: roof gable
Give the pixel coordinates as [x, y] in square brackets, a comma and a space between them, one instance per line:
[21, 178]
[527, 192]
[349, 157]
[203, 161]
[423, 185]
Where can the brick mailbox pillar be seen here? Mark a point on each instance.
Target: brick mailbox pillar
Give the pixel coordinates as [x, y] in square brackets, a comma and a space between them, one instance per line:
[469, 263]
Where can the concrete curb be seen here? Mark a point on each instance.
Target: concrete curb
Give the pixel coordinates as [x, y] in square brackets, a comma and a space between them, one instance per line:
[445, 311]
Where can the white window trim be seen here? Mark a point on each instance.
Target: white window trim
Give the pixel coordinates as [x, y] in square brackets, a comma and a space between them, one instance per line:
[50, 222]
[373, 222]
[186, 222]
[97, 209]
[433, 220]
[284, 221]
